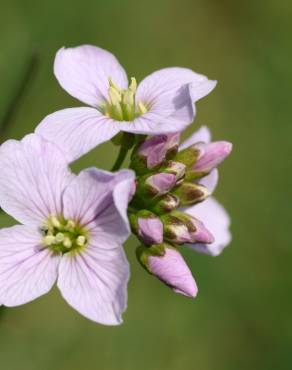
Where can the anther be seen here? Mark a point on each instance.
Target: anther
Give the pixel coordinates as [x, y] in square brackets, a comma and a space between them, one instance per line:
[114, 95]
[81, 240]
[113, 85]
[67, 242]
[133, 85]
[55, 222]
[141, 108]
[60, 237]
[49, 240]
[70, 225]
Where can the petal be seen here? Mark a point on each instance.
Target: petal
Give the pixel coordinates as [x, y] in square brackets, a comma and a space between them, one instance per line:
[202, 135]
[84, 73]
[33, 176]
[210, 181]
[152, 123]
[27, 270]
[99, 200]
[169, 94]
[76, 131]
[94, 282]
[217, 221]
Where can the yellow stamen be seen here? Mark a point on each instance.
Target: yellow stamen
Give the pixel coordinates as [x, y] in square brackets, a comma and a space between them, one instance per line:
[141, 108]
[81, 240]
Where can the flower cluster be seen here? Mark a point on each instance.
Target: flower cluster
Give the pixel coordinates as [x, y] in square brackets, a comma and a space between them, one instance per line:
[170, 207]
[72, 227]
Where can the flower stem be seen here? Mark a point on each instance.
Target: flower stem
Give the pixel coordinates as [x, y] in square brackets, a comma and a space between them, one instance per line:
[120, 159]
[126, 141]
[28, 74]
[5, 122]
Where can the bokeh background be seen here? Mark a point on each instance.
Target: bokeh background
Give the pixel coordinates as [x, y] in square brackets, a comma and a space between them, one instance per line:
[242, 316]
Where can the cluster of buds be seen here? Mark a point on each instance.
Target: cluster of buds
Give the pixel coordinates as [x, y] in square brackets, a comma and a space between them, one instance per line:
[171, 178]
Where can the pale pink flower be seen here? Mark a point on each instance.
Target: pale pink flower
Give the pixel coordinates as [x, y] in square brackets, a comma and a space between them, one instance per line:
[162, 103]
[72, 231]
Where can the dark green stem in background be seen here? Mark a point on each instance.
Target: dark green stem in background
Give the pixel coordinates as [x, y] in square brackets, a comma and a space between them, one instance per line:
[11, 110]
[29, 71]
[121, 157]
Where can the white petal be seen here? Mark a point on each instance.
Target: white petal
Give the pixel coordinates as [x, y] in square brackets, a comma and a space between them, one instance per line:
[210, 181]
[27, 271]
[33, 175]
[201, 135]
[171, 93]
[216, 220]
[84, 73]
[77, 130]
[99, 200]
[94, 282]
[153, 123]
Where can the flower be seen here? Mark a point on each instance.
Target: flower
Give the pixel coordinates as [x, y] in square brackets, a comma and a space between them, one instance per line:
[72, 231]
[162, 103]
[182, 203]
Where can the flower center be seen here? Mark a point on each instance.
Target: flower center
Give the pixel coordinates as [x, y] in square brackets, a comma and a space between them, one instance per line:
[122, 105]
[63, 236]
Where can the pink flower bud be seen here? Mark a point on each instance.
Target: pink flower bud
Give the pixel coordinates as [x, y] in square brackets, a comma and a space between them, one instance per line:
[150, 230]
[180, 228]
[176, 168]
[161, 183]
[156, 148]
[211, 155]
[201, 233]
[190, 193]
[166, 203]
[173, 271]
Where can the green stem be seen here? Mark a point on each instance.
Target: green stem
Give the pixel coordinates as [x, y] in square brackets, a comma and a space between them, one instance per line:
[28, 74]
[120, 159]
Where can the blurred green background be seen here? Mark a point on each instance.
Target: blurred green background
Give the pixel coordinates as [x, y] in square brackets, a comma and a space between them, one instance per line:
[242, 316]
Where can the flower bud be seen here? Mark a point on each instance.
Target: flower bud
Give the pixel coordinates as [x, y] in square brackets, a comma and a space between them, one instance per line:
[166, 203]
[176, 168]
[153, 151]
[190, 193]
[180, 228]
[160, 183]
[150, 230]
[211, 155]
[167, 264]
[147, 226]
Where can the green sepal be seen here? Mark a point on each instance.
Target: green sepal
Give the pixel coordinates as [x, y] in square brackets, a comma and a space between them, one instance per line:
[190, 193]
[192, 175]
[164, 204]
[187, 156]
[133, 218]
